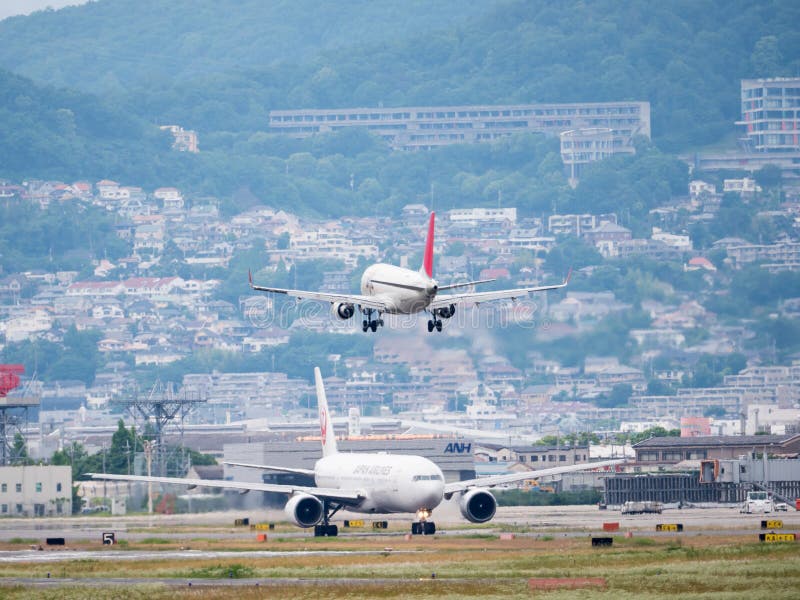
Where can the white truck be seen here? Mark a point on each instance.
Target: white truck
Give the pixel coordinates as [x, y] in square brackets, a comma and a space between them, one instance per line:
[632, 507]
[758, 502]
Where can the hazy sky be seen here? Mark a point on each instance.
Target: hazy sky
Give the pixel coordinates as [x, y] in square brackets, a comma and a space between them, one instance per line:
[9, 8]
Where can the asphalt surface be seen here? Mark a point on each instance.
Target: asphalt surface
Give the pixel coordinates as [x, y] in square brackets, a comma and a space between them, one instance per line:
[559, 520]
[568, 521]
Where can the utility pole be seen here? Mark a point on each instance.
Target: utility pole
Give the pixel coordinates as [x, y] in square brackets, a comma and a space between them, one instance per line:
[148, 454]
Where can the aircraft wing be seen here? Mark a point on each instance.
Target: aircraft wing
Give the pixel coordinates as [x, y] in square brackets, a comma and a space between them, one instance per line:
[343, 496]
[482, 482]
[364, 301]
[478, 297]
[452, 286]
[297, 471]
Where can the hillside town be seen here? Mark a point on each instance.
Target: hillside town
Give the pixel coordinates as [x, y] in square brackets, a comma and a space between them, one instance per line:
[151, 320]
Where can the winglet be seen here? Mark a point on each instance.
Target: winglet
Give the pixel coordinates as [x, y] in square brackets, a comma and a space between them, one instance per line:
[325, 425]
[569, 274]
[427, 261]
[250, 277]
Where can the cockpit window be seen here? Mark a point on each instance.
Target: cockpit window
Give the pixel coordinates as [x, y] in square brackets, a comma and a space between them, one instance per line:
[436, 477]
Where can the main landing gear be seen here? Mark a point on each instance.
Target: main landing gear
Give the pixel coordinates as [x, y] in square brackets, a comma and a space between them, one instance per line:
[369, 322]
[445, 313]
[325, 529]
[434, 323]
[423, 526]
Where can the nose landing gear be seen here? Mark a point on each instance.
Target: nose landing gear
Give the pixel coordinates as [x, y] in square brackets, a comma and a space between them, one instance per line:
[423, 526]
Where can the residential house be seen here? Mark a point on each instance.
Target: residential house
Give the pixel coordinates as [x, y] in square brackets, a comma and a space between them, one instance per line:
[170, 197]
[577, 225]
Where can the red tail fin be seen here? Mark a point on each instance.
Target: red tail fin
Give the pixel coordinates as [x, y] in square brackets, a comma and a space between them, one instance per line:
[427, 261]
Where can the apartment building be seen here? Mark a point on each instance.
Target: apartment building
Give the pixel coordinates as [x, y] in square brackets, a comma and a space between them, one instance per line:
[785, 255]
[425, 127]
[580, 147]
[771, 113]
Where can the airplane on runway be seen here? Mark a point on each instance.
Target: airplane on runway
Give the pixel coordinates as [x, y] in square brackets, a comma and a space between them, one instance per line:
[388, 289]
[371, 483]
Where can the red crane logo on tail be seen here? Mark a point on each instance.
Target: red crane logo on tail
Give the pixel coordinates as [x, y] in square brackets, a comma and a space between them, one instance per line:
[323, 424]
[427, 259]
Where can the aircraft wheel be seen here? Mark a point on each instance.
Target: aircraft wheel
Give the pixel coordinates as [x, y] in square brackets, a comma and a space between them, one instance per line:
[416, 529]
[365, 325]
[430, 326]
[373, 326]
[380, 322]
[428, 528]
[438, 325]
[326, 530]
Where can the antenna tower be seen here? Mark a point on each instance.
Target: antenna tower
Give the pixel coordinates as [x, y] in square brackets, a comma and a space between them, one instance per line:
[13, 411]
[162, 408]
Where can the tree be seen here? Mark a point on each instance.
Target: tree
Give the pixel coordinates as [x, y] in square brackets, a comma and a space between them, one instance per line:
[283, 241]
[766, 58]
[658, 431]
[19, 450]
[124, 443]
[571, 253]
[716, 412]
[658, 387]
[619, 396]
[769, 176]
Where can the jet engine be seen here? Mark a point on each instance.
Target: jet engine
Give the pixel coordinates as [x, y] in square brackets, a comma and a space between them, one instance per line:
[305, 510]
[446, 312]
[343, 310]
[477, 505]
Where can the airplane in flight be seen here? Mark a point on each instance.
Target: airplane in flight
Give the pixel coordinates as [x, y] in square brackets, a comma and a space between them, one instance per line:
[370, 483]
[389, 289]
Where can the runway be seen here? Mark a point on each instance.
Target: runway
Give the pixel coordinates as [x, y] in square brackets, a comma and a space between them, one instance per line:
[206, 556]
[560, 521]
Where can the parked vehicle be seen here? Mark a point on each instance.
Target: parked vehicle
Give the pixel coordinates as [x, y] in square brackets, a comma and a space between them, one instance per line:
[757, 502]
[640, 507]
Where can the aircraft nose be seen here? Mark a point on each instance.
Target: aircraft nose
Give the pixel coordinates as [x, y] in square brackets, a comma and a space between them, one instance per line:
[431, 494]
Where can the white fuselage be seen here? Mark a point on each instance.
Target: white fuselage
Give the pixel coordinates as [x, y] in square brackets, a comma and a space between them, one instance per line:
[390, 483]
[405, 291]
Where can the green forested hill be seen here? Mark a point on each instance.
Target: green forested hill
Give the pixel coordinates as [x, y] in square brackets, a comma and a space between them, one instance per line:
[219, 66]
[110, 46]
[54, 133]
